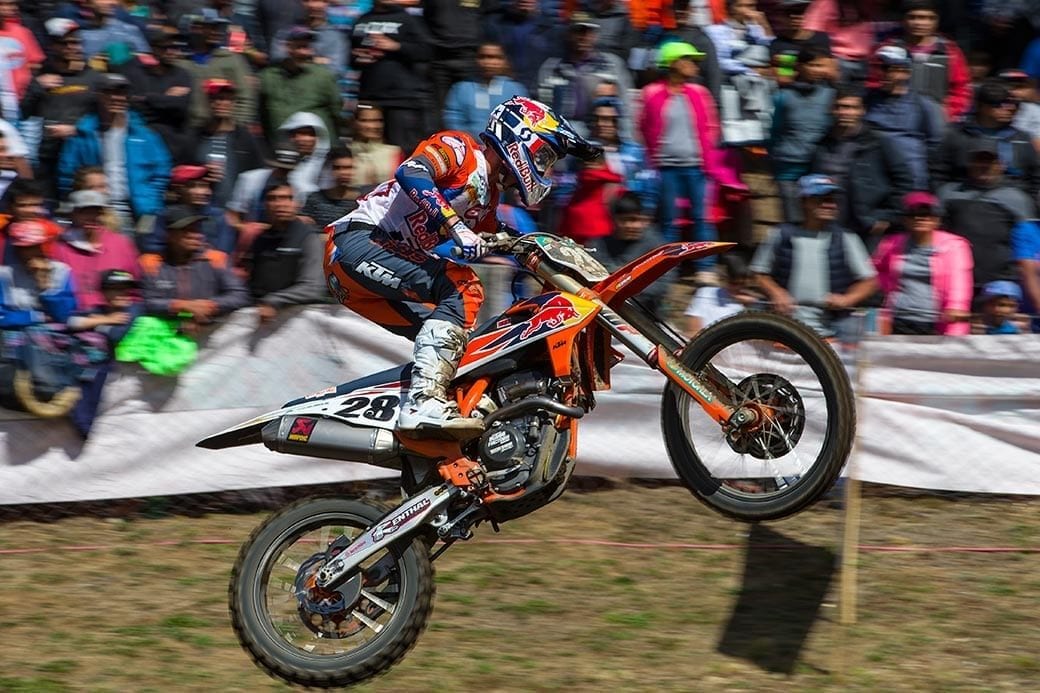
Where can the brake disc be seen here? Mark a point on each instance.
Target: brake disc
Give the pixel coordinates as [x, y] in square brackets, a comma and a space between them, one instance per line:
[781, 419]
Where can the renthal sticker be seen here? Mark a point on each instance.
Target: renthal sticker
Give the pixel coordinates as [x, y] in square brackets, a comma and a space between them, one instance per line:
[458, 146]
[440, 158]
[395, 523]
[378, 273]
[301, 429]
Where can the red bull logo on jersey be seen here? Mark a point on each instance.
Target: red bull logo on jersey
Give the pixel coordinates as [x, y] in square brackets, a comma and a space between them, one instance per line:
[554, 313]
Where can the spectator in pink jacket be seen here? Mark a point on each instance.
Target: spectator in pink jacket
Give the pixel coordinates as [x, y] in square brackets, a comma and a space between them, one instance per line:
[680, 127]
[89, 248]
[926, 274]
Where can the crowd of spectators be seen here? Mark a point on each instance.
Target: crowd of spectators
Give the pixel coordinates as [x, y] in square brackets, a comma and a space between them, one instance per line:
[178, 159]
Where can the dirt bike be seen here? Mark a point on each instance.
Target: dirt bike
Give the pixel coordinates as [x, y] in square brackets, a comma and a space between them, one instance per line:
[758, 419]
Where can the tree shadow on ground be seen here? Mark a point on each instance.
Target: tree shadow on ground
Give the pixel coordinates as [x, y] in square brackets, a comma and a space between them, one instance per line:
[785, 583]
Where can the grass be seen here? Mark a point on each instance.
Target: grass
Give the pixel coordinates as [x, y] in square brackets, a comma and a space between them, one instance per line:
[557, 615]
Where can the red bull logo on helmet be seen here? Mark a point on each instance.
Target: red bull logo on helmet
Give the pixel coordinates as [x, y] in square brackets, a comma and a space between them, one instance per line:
[554, 313]
[537, 114]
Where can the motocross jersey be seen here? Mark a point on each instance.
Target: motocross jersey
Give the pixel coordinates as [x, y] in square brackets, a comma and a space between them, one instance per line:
[444, 181]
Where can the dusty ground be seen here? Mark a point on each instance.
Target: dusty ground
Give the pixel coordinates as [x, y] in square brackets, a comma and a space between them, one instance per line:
[555, 615]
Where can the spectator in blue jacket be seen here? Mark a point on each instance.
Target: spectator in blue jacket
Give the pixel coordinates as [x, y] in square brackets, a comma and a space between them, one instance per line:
[912, 121]
[469, 103]
[133, 156]
[801, 119]
[33, 289]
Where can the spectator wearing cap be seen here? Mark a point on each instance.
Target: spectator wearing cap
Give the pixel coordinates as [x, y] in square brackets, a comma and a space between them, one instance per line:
[336, 201]
[925, 273]
[801, 119]
[994, 112]
[225, 147]
[1000, 301]
[90, 248]
[469, 103]
[133, 156]
[330, 45]
[688, 31]
[1022, 90]
[869, 168]
[26, 203]
[34, 288]
[20, 57]
[572, 83]
[528, 37]
[745, 27]
[915, 123]
[114, 317]
[107, 36]
[390, 48]
[160, 90]
[816, 271]
[246, 205]
[297, 83]
[455, 33]
[193, 193]
[938, 68]
[991, 213]
[192, 277]
[284, 261]
[63, 92]
[680, 128]
[94, 178]
[375, 161]
[208, 58]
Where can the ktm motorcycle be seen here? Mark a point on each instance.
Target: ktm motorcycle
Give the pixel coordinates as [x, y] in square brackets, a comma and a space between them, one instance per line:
[757, 415]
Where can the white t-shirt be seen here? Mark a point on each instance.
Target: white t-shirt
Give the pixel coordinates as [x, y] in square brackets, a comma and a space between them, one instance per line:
[711, 304]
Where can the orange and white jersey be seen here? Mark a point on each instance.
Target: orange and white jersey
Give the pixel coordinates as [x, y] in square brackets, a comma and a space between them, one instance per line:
[411, 212]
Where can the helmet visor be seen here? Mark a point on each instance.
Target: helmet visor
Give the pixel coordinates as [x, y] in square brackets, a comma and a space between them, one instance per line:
[543, 159]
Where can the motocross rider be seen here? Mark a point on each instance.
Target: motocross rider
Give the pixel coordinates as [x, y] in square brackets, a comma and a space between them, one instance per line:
[380, 260]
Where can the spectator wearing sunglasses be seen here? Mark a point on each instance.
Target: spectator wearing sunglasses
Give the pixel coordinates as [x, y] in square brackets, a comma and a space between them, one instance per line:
[995, 110]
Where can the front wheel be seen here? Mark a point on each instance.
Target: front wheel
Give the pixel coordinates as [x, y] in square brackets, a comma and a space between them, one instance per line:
[327, 638]
[799, 444]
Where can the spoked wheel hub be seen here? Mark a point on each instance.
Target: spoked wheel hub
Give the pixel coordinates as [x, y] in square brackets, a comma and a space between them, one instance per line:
[776, 420]
[327, 612]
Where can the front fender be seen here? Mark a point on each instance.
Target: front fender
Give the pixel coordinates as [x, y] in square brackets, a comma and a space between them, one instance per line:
[641, 272]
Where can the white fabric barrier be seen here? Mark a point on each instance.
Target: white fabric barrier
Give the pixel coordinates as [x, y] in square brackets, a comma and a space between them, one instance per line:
[959, 414]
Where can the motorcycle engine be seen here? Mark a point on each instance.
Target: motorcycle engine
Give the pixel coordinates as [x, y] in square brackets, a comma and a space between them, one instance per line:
[510, 447]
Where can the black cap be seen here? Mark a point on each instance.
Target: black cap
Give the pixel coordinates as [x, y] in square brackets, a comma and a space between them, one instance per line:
[285, 158]
[992, 93]
[118, 279]
[180, 217]
[162, 36]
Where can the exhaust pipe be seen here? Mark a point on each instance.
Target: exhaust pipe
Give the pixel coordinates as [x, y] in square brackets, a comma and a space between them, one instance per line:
[333, 440]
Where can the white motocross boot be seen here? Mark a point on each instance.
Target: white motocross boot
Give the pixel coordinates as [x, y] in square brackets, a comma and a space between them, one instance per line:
[428, 409]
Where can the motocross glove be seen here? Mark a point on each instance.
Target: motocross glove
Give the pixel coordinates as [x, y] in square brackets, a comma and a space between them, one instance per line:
[470, 244]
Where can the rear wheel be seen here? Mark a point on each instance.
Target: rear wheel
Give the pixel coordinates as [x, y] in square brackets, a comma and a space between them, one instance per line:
[334, 637]
[800, 442]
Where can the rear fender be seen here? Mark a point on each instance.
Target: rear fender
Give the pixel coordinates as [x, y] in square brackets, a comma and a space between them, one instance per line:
[643, 271]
